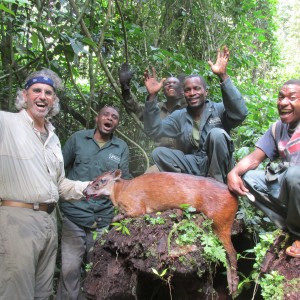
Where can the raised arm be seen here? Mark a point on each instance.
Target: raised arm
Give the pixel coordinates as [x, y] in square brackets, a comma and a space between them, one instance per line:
[219, 68]
[153, 86]
[130, 102]
[235, 107]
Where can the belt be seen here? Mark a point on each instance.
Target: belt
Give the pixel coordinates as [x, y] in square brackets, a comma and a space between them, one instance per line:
[47, 207]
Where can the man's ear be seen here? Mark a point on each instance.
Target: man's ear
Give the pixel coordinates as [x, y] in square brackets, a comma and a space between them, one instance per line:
[24, 94]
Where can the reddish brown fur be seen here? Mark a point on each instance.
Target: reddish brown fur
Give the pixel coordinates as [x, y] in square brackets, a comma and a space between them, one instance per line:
[162, 191]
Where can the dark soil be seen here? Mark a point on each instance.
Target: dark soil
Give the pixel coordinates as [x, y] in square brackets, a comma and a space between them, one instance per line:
[123, 265]
[289, 267]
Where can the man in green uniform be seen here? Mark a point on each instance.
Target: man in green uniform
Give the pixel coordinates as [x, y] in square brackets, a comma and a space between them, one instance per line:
[202, 129]
[87, 154]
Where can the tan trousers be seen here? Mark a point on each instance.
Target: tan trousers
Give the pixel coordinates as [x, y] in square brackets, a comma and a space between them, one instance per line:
[28, 246]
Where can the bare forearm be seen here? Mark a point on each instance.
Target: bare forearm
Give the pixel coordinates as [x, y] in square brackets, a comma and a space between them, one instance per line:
[245, 164]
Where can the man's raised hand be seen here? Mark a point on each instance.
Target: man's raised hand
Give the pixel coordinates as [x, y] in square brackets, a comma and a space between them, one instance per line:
[153, 86]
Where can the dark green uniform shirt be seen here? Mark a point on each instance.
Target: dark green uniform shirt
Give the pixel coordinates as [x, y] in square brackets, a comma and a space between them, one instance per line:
[85, 160]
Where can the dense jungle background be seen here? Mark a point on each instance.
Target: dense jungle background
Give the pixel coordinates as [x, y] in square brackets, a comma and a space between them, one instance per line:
[86, 41]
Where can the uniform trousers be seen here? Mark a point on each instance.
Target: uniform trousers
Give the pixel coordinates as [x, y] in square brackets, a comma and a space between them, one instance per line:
[76, 248]
[279, 199]
[215, 159]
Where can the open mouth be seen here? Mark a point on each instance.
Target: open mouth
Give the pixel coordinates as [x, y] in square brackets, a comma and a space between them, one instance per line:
[41, 105]
[107, 125]
[88, 196]
[286, 115]
[285, 111]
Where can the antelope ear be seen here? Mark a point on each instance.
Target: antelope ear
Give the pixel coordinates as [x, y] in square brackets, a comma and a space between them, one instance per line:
[117, 174]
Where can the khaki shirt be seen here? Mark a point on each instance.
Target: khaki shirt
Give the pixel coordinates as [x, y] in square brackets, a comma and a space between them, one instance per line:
[30, 170]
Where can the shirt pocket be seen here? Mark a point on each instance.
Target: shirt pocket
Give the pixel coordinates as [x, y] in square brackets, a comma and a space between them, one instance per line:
[54, 156]
[82, 167]
[58, 154]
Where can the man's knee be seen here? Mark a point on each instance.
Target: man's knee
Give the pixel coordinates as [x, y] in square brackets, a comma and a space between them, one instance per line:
[219, 137]
[71, 259]
[251, 177]
[158, 153]
[219, 141]
[292, 175]
[218, 133]
[71, 266]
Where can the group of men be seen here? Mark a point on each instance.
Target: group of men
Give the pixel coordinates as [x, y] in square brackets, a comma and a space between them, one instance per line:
[192, 135]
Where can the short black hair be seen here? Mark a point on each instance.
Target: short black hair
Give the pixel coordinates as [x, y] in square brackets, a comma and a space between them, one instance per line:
[111, 106]
[292, 81]
[194, 76]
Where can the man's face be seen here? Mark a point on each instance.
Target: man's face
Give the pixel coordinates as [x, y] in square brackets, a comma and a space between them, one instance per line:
[288, 104]
[172, 88]
[107, 120]
[40, 99]
[194, 91]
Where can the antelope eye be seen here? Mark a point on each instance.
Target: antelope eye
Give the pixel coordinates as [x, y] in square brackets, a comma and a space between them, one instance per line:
[103, 181]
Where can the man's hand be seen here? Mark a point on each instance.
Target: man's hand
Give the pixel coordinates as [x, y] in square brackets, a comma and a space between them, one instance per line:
[219, 68]
[236, 184]
[151, 83]
[125, 75]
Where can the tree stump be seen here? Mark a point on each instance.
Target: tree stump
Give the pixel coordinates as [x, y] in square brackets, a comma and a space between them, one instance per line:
[133, 266]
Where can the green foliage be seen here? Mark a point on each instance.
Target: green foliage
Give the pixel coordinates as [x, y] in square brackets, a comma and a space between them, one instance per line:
[187, 210]
[88, 267]
[162, 274]
[272, 286]
[155, 221]
[255, 221]
[122, 226]
[173, 216]
[261, 248]
[97, 234]
[213, 249]
[188, 232]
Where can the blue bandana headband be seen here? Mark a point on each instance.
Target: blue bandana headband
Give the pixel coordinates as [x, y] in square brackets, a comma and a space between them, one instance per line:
[45, 80]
